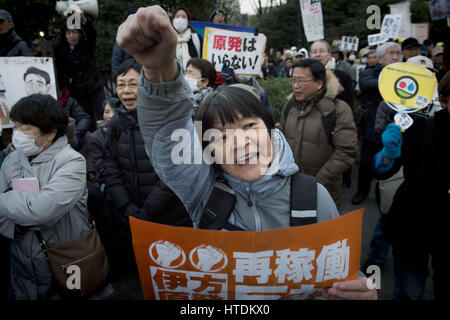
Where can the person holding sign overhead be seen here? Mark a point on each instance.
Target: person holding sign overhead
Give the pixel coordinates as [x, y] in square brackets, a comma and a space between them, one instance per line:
[417, 221]
[258, 173]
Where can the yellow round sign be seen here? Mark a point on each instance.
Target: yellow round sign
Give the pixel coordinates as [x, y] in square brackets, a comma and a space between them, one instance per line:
[407, 87]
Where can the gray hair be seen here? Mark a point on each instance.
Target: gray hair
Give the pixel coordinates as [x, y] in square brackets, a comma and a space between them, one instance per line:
[320, 41]
[381, 50]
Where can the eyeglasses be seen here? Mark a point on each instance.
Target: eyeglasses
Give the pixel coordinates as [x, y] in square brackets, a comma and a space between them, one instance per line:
[299, 81]
[131, 85]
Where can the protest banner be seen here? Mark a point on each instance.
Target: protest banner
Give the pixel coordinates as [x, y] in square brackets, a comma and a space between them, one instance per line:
[390, 27]
[349, 43]
[407, 87]
[402, 9]
[200, 26]
[241, 51]
[23, 76]
[177, 263]
[421, 31]
[312, 19]
[374, 39]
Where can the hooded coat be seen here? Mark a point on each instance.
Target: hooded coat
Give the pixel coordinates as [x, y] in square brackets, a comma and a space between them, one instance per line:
[58, 210]
[307, 138]
[260, 205]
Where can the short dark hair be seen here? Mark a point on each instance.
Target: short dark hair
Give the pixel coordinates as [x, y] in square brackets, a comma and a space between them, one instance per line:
[316, 67]
[185, 10]
[42, 111]
[206, 68]
[112, 102]
[225, 104]
[42, 73]
[125, 66]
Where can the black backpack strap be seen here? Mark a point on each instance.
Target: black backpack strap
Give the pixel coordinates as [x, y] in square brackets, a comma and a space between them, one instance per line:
[329, 123]
[217, 211]
[303, 200]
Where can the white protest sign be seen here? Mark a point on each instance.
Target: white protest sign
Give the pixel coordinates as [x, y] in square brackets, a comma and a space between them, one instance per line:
[374, 39]
[402, 9]
[241, 51]
[349, 43]
[390, 26]
[403, 120]
[21, 77]
[312, 19]
[421, 31]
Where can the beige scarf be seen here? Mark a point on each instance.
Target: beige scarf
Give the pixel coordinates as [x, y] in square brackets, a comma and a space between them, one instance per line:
[182, 47]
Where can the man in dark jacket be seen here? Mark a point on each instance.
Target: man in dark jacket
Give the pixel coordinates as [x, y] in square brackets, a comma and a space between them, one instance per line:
[370, 99]
[132, 184]
[11, 45]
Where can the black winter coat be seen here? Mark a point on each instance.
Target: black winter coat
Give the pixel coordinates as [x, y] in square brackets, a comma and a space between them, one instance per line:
[370, 99]
[131, 182]
[346, 83]
[76, 69]
[419, 214]
[83, 120]
[11, 45]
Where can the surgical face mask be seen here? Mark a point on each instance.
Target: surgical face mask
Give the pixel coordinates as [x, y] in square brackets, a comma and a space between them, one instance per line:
[364, 60]
[25, 143]
[180, 24]
[352, 57]
[192, 83]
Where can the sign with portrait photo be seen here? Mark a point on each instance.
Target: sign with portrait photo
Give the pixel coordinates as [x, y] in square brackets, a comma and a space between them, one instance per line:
[21, 77]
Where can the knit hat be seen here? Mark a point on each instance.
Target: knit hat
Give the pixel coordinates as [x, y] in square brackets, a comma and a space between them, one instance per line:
[5, 15]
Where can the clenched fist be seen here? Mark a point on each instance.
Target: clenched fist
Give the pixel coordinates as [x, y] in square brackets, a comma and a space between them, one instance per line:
[149, 37]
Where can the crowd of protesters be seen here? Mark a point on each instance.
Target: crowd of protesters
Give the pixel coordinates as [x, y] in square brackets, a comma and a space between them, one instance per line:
[104, 155]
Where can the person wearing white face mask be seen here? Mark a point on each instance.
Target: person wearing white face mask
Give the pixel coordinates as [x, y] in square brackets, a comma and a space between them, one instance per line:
[57, 207]
[189, 43]
[200, 75]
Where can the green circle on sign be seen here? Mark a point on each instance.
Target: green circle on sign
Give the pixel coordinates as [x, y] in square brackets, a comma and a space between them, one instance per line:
[406, 87]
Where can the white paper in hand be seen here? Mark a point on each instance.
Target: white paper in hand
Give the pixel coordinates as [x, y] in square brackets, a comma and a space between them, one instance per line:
[403, 120]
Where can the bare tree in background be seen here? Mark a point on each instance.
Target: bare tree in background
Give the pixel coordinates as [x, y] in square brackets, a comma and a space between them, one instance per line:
[262, 7]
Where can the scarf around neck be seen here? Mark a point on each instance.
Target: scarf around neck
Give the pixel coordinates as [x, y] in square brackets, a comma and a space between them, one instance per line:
[182, 47]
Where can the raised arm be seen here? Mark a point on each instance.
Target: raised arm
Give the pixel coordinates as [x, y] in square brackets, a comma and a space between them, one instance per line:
[165, 108]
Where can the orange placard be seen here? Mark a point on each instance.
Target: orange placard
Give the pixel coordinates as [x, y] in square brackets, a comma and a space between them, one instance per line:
[287, 263]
